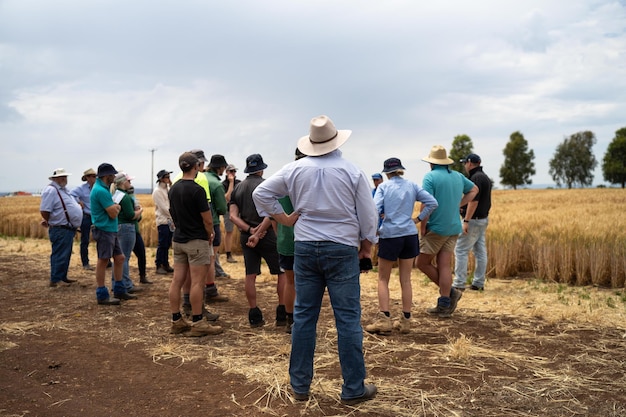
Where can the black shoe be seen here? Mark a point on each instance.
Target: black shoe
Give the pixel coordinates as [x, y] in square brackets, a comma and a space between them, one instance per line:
[300, 397]
[124, 296]
[475, 288]
[281, 316]
[134, 290]
[109, 302]
[255, 317]
[144, 280]
[68, 281]
[168, 268]
[370, 392]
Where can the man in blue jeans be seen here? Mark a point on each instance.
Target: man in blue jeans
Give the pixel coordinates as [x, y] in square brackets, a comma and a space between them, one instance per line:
[334, 223]
[475, 220]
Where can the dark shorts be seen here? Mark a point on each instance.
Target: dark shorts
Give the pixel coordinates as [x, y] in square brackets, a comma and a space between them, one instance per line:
[266, 249]
[286, 262]
[217, 239]
[405, 247]
[107, 243]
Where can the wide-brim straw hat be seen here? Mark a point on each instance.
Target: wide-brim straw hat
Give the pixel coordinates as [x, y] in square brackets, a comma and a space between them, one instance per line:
[59, 172]
[323, 137]
[90, 171]
[438, 156]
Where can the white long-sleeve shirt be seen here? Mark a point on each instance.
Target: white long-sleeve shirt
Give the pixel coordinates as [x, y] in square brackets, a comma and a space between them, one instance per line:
[161, 204]
[331, 194]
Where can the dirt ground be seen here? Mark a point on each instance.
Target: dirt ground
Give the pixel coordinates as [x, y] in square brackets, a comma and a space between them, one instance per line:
[63, 355]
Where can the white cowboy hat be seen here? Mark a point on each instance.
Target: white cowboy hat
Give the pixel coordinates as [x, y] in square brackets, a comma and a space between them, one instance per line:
[59, 172]
[323, 137]
[438, 156]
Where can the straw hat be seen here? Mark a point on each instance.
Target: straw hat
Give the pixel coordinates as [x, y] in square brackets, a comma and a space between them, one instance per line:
[323, 137]
[59, 172]
[90, 171]
[438, 156]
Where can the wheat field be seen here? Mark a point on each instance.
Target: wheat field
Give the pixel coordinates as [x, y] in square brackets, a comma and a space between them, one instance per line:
[575, 237]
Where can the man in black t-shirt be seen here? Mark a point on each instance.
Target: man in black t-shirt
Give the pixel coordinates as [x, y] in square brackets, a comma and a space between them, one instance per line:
[192, 247]
[475, 220]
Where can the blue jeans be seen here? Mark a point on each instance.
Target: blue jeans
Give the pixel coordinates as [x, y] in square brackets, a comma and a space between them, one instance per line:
[126, 236]
[317, 266]
[474, 241]
[62, 240]
[85, 229]
[164, 245]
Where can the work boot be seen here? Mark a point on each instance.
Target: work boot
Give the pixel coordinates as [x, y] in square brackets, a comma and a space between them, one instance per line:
[404, 325]
[211, 295]
[455, 296]
[381, 326]
[203, 328]
[161, 270]
[443, 308]
[180, 326]
[231, 260]
[144, 280]
[168, 268]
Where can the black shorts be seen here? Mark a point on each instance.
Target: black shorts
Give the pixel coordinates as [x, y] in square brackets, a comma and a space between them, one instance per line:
[265, 249]
[405, 247]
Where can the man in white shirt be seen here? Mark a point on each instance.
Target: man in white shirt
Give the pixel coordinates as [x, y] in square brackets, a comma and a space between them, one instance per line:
[334, 223]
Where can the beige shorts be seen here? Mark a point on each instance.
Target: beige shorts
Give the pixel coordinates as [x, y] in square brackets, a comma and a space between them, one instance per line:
[432, 243]
[194, 252]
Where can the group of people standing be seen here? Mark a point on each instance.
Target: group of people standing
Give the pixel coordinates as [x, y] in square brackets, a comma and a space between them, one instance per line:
[327, 224]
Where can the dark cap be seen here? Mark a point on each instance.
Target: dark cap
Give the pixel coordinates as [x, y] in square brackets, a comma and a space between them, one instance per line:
[473, 158]
[218, 161]
[254, 163]
[187, 161]
[199, 154]
[162, 173]
[106, 169]
[392, 165]
[377, 176]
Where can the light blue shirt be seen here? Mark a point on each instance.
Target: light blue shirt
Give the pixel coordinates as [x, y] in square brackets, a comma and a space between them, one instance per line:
[51, 202]
[81, 194]
[396, 199]
[332, 196]
[448, 187]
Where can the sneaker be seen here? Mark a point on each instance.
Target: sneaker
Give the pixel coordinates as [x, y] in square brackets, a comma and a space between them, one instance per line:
[180, 326]
[161, 271]
[281, 316]
[223, 275]
[455, 296]
[203, 328]
[382, 325]
[134, 290]
[370, 392]
[231, 260]
[403, 325]
[255, 317]
[475, 288]
[109, 302]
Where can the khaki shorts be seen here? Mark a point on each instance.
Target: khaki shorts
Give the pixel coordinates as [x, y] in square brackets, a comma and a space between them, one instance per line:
[432, 243]
[194, 252]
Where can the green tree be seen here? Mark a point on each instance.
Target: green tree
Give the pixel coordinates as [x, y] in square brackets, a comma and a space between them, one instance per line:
[518, 164]
[614, 162]
[573, 162]
[461, 147]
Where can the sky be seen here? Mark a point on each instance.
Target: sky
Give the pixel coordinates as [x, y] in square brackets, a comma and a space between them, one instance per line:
[136, 83]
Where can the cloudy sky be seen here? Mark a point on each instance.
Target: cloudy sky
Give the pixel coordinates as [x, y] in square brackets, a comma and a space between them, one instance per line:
[86, 82]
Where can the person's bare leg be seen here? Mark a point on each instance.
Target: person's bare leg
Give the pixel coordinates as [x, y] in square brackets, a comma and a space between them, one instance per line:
[384, 273]
[250, 287]
[444, 266]
[181, 272]
[425, 264]
[101, 267]
[118, 265]
[289, 291]
[196, 294]
[280, 288]
[405, 266]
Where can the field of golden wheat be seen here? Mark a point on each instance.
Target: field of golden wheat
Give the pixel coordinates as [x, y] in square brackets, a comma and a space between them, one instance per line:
[568, 236]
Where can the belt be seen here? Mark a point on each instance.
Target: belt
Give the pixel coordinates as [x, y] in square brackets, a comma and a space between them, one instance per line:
[479, 217]
[64, 227]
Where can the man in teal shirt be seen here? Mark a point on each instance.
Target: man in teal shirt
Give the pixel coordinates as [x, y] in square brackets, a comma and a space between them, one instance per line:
[104, 211]
[439, 233]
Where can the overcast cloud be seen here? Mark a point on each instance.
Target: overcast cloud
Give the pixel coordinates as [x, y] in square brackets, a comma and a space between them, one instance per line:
[86, 82]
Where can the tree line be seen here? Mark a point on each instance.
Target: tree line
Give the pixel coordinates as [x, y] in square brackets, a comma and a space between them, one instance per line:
[572, 164]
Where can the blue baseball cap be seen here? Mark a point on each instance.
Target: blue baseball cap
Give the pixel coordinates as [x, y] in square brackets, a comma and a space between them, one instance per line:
[377, 176]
